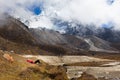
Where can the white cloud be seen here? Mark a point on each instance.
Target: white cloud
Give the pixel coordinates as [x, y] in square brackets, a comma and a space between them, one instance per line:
[17, 7]
[84, 11]
[42, 22]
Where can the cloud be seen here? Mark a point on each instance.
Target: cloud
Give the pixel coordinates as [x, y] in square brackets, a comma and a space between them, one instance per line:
[43, 22]
[18, 8]
[96, 12]
[21, 9]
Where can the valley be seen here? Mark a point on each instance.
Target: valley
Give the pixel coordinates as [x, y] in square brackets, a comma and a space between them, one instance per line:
[99, 68]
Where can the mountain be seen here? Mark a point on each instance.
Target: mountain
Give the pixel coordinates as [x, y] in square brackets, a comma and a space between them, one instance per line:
[106, 34]
[15, 36]
[98, 44]
[110, 35]
[50, 37]
[79, 29]
[46, 41]
[16, 31]
[74, 27]
[46, 36]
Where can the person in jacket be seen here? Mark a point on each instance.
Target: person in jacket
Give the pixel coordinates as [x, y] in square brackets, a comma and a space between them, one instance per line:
[33, 62]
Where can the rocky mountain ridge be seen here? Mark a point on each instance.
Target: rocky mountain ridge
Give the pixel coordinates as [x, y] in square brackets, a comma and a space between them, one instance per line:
[52, 41]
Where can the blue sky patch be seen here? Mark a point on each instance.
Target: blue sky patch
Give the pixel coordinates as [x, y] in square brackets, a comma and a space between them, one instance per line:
[110, 2]
[35, 9]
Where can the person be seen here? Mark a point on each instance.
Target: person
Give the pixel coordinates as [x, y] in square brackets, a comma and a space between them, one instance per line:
[30, 61]
[37, 61]
[33, 62]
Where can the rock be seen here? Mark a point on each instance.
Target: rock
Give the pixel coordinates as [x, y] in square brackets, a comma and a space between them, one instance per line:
[8, 57]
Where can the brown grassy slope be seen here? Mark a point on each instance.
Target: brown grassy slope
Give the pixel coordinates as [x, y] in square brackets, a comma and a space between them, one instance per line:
[15, 31]
[20, 48]
[14, 35]
[21, 70]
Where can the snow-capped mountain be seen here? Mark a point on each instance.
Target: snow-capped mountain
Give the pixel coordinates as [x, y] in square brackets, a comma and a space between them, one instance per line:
[37, 21]
[73, 27]
[54, 41]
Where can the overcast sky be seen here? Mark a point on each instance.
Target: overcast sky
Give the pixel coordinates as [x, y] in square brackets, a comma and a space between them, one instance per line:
[98, 12]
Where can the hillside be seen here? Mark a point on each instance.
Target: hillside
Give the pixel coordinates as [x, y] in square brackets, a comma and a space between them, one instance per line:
[15, 36]
[16, 31]
[22, 70]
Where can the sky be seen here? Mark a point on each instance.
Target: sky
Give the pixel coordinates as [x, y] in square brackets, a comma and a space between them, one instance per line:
[35, 9]
[99, 12]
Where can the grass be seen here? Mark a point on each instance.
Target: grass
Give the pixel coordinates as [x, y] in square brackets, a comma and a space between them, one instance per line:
[21, 70]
